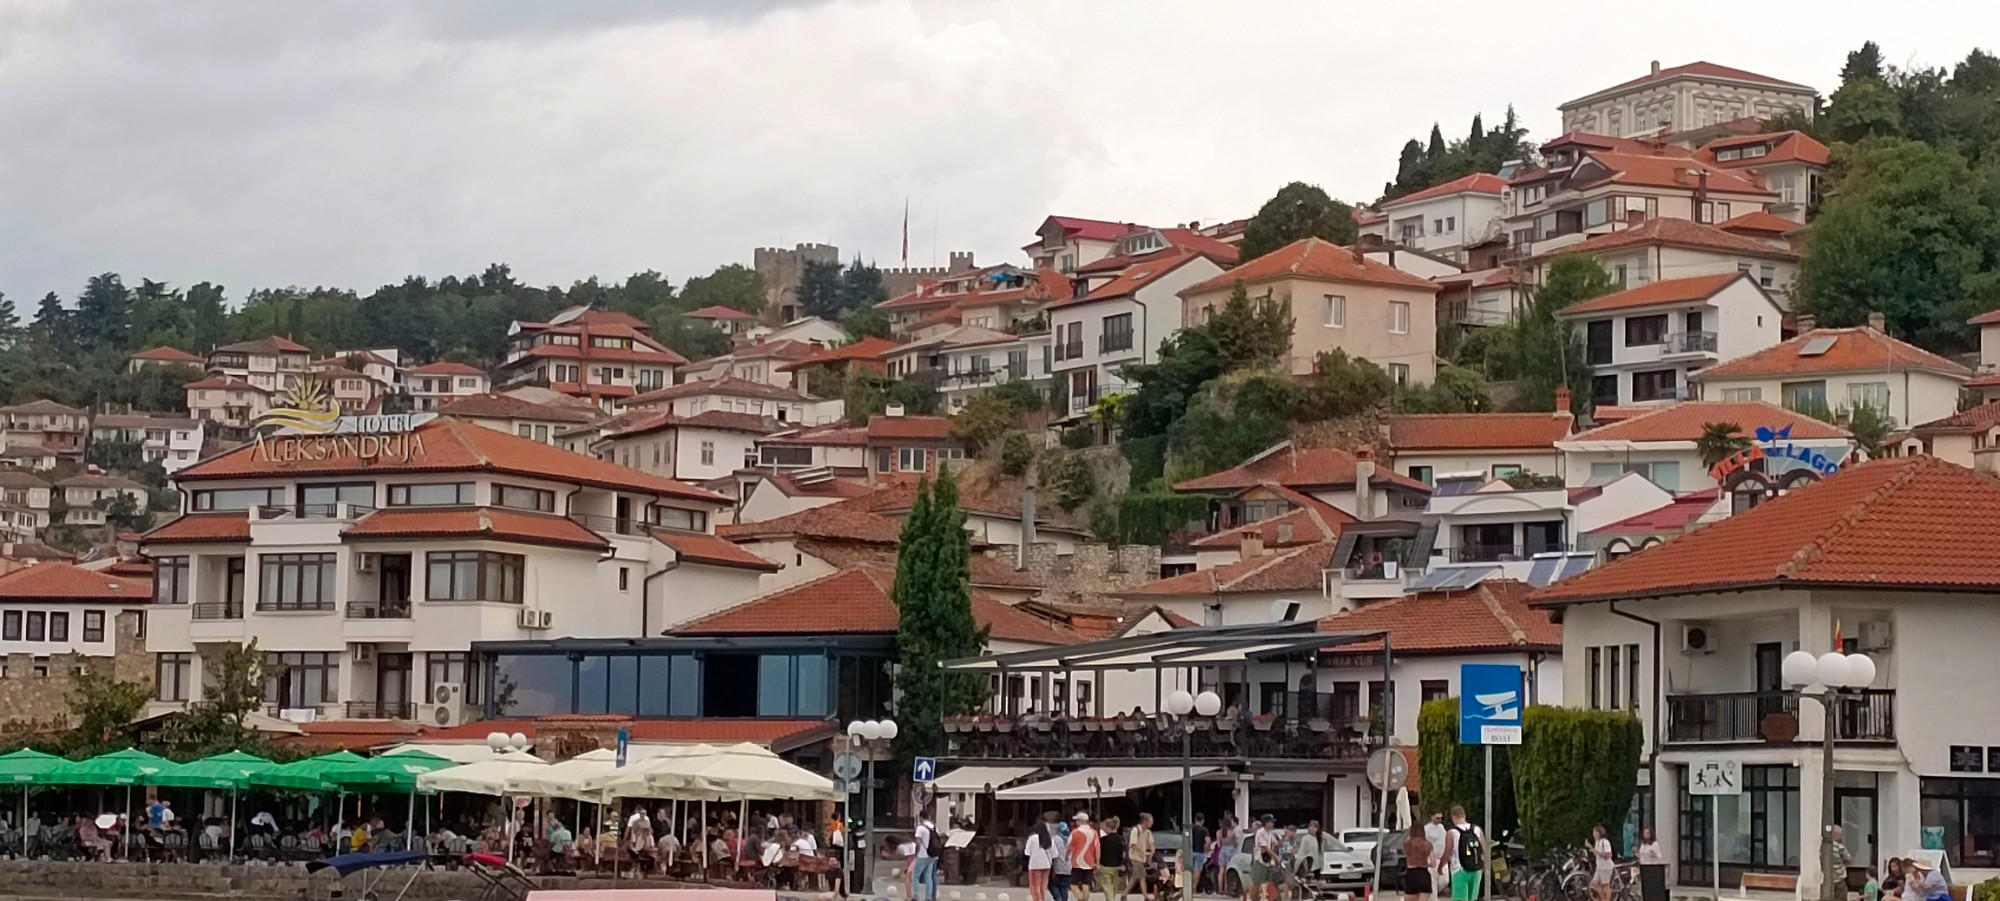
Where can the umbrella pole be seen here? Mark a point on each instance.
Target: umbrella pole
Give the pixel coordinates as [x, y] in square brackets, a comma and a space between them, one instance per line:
[232, 825]
[513, 825]
[128, 822]
[704, 839]
[411, 822]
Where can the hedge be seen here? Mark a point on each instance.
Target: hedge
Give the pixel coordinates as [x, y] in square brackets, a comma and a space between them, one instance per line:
[1575, 769]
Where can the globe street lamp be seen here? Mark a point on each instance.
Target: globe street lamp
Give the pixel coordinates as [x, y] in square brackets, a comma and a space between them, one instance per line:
[1180, 704]
[866, 733]
[1832, 674]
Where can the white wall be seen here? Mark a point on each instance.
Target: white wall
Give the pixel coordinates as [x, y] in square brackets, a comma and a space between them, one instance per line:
[1915, 397]
[74, 643]
[1540, 461]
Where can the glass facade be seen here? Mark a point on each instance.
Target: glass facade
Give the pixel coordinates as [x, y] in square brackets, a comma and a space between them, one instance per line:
[781, 683]
[1759, 828]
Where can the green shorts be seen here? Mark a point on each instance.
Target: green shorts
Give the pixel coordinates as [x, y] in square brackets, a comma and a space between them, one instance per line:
[1465, 885]
[1260, 874]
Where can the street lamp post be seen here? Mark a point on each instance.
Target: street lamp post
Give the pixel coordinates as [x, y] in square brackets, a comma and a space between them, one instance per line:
[1180, 704]
[1832, 673]
[866, 733]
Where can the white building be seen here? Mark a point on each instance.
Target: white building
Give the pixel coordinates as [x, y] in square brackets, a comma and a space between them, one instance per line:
[1495, 445]
[1644, 344]
[1122, 321]
[273, 364]
[24, 504]
[230, 404]
[1987, 380]
[173, 442]
[1692, 636]
[541, 421]
[1660, 250]
[600, 355]
[1791, 163]
[764, 363]
[1836, 369]
[434, 385]
[969, 359]
[1591, 185]
[699, 449]
[1444, 219]
[88, 494]
[161, 356]
[1663, 445]
[57, 428]
[58, 615]
[1680, 98]
[731, 394]
[1064, 243]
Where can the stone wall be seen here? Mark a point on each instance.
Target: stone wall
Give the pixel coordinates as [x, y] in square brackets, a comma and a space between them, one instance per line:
[176, 881]
[1088, 576]
[782, 269]
[29, 701]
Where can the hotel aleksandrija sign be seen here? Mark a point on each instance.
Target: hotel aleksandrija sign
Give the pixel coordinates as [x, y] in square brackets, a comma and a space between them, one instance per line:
[308, 425]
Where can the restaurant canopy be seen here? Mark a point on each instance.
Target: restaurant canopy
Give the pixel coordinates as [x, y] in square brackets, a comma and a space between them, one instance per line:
[310, 774]
[1110, 780]
[223, 772]
[487, 777]
[979, 779]
[1175, 648]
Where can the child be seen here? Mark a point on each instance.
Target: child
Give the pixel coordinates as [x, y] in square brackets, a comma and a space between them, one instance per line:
[1872, 889]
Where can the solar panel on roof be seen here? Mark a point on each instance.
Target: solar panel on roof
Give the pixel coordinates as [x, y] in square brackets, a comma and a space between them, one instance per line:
[1434, 580]
[1455, 578]
[1818, 346]
[1543, 572]
[1454, 487]
[1575, 564]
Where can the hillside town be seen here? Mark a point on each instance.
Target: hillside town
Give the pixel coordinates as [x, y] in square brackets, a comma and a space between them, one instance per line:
[1150, 518]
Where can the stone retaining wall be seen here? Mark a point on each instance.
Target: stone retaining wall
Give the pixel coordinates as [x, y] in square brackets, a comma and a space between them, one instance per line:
[172, 881]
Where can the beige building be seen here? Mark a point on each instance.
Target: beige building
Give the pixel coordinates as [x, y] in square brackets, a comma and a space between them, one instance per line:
[1661, 250]
[1339, 300]
[1833, 369]
[275, 363]
[1680, 98]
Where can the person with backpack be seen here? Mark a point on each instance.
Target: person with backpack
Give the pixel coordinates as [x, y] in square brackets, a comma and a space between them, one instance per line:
[1465, 852]
[930, 848]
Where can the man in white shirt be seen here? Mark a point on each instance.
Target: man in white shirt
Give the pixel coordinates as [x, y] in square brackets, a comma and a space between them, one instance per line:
[1434, 832]
[925, 887]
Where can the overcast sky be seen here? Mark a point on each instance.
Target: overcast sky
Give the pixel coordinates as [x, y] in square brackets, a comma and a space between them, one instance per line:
[262, 143]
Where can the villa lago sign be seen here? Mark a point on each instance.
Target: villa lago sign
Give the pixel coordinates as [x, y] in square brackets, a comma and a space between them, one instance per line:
[1785, 462]
[308, 426]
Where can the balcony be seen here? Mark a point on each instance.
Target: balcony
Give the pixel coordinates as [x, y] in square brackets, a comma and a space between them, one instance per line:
[219, 610]
[1069, 350]
[1465, 314]
[1688, 344]
[1143, 737]
[1501, 553]
[312, 511]
[611, 525]
[1760, 716]
[380, 710]
[378, 609]
[319, 606]
[1114, 342]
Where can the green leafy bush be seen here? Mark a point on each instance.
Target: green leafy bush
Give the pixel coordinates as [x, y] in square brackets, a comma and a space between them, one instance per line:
[1016, 455]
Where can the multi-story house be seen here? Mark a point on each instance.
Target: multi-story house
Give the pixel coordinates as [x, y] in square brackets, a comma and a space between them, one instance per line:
[1122, 321]
[433, 385]
[1644, 343]
[24, 504]
[541, 422]
[1666, 249]
[161, 356]
[1428, 446]
[353, 390]
[1664, 446]
[1792, 163]
[172, 442]
[1443, 219]
[728, 320]
[1692, 636]
[813, 330]
[1340, 300]
[1065, 243]
[383, 364]
[889, 445]
[60, 429]
[1830, 370]
[368, 571]
[765, 362]
[272, 364]
[1987, 380]
[1680, 98]
[1592, 185]
[596, 354]
[58, 621]
[88, 494]
[231, 404]
[829, 365]
[969, 359]
[1004, 298]
[1147, 246]
[703, 449]
[731, 394]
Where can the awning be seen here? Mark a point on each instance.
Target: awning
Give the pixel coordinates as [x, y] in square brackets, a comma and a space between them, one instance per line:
[1112, 780]
[975, 779]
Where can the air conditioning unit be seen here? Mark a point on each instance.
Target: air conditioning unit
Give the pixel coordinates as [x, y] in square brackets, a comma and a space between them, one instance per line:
[362, 653]
[1876, 635]
[440, 716]
[369, 562]
[450, 694]
[536, 619]
[1697, 639]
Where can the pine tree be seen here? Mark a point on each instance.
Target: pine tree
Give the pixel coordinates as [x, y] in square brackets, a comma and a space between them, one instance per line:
[1436, 150]
[1865, 63]
[104, 313]
[933, 595]
[53, 325]
[1297, 211]
[10, 321]
[1478, 136]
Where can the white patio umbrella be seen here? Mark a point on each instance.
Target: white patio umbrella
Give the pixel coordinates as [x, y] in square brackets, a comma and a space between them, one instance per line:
[740, 772]
[633, 780]
[565, 779]
[487, 777]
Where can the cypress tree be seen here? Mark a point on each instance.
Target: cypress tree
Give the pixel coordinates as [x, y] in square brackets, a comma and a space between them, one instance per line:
[933, 595]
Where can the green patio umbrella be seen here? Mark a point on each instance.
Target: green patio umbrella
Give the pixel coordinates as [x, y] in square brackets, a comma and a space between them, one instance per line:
[25, 768]
[391, 773]
[229, 771]
[127, 768]
[308, 775]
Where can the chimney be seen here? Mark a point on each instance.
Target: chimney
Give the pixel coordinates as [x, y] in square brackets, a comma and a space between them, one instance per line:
[1635, 217]
[1562, 400]
[1656, 67]
[1878, 322]
[1253, 543]
[1805, 322]
[1364, 478]
[1028, 525]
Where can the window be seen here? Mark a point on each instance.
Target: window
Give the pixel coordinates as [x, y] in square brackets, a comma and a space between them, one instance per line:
[1868, 394]
[1632, 675]
[1433, 690]
[296, 679]
[1421, 474]
[10, 626]
[791, 685]
[468, 384]
[474, 576]
[1334, 311]
[708, 453]
[769, 455]
[236, 499]
[624, 578]
[360, 494]
[1596, 656]
[1767, 275]
[521, 498]
[59, 626]
[1118, 332]
[441, 667]
[1805, 396]
[295, 581]
[1597, 344]
[678, 518]
[171, 673]
[542, 434]
[1613, 671]
[1742, 395]
[439, 494]
[1657, 384]
[1644, 330]
[38, 626]
[93, 625]
[1346, 702]
[1967, 811]
[170, 580]
[1399, 317]
[910, 459]
[1400, 374]
[1506, 470]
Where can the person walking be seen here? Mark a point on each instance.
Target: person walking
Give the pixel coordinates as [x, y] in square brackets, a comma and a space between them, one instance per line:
[1084, 852]
[1139, 855]
[1465, 854]
[1417, 867]
[1264, 863]
[1040, 851]
[1059, 867]
[1111, 860]
[1602, 865]
[1227, 842]
[1652, 867]
[1434, 831]
[929, 846]
[1199, 839]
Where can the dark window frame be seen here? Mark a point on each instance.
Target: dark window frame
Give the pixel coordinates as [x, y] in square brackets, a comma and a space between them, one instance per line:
[399, 495]
[93, 625]
[490, 569]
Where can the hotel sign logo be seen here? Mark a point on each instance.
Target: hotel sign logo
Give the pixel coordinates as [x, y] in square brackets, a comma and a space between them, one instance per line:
[1791, 463]
[307, 425]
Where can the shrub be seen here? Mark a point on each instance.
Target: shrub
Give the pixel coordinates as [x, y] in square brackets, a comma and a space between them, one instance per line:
[1079, 436]
[1071, 481]
[1574, 769]
[1016, 455]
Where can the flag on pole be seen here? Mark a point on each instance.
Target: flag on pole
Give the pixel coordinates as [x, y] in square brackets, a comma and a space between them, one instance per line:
[906, 232]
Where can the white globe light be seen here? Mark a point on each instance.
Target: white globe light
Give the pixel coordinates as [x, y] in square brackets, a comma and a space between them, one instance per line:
[496, 740]
[854, 729]
[1833, 669]
[1860, 671]
[889, 730]
[1207, 703]
[1003, 896]
[517, 740]
[957, 895]
[871, 730]
[1800, 669]
[1179, 702]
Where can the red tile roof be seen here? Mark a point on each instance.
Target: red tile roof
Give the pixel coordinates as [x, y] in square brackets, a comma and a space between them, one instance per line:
[64, 582]
[987, 571]
[1786, 146]
[454, 446]
[1468, 431]
[782, 348]
[1491, 616]
[655, 355]
[835, 434]
[447, 367]
[868, 349]
[719, 311]
[728, 384]
[697, 547]
[1136, 276]
[909, 428]
[1090, 229]
[202, 527]
[507, 406]
[1293, 467]
[1298, 569]
[1897, 522]
[1685, 421]
[1990, 317]
[1693, 289]
[713, 731]
[1695, 70]
[842, 488]
[1315, 259]
[496, 523]
[1677, 233]
[1656, 171]
[834, 522]
[166, 355]
[226, 382]
[991, 500]
[272, 345]
[1476, 183]
[1309, 522]
[1177, 239]
[352, 735]
[1853, 350]
[714, 420]
[1977, 419]
[859, 602]
[1673, 518]
[1759, 223]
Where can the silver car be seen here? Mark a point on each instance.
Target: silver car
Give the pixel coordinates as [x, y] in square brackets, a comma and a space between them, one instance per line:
[1339, 865]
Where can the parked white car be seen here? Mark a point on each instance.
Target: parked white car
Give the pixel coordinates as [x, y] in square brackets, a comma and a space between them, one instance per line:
[1339, 864]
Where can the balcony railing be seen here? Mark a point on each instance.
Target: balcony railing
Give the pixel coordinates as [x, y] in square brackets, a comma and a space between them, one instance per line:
[219, 610]
[1114, 342]
[1690, 343]
[378, 609]
[311, 511]
[1069, 350]
[1498, 553]
[1142, 737]
[320, 606]
[609, 525]
[1750, 716]
[380, 710]
[1462, 314]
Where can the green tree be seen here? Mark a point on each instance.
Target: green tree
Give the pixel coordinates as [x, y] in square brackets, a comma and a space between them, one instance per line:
[1296, 212]
[1016, 454]
[101, 709]
[124, 512]
[1864, 109]
[691, 338]
[989, 415]
[867, 322]
[104, 313]
[1341, 386]
[1454, 774]
[1071, 482]
[1251, 332]
[54, 327]
[861, 286]
[1456, 389]
[232, 688]
[734, 285]
[1547, 353]
[821, 289]
[1870, 427]
[1574, 769]
[1865, 63]
[933, 595]
[10, 321]
[1913, 233]
[1231, 419]
[1719, 441]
